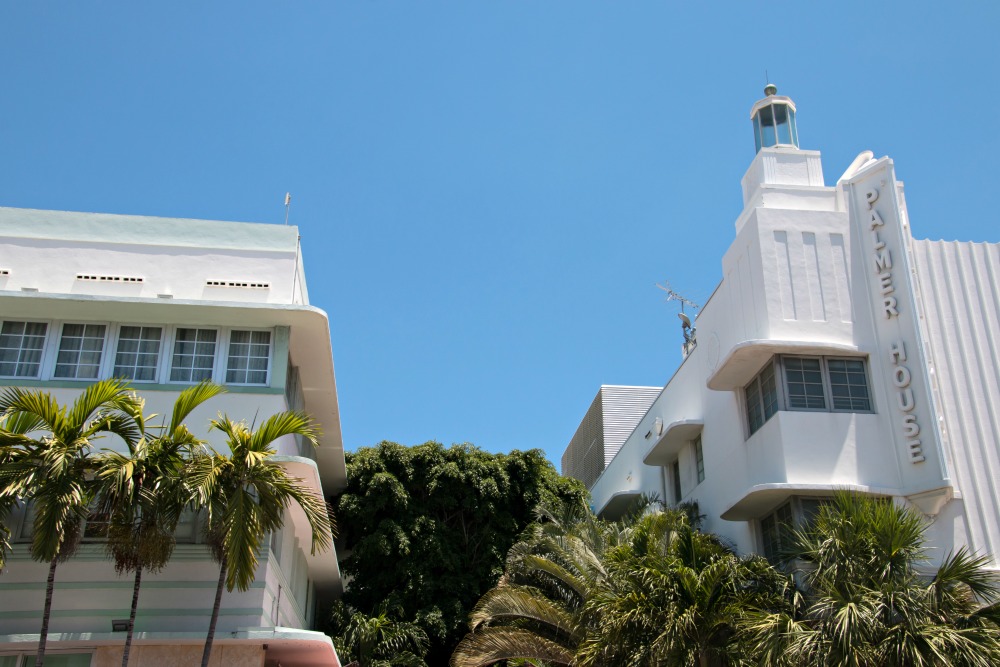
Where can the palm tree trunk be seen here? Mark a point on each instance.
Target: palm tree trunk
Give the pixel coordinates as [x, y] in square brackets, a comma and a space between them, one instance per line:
[215, 615]
[131, 616]
[703, 658]
[43, 637]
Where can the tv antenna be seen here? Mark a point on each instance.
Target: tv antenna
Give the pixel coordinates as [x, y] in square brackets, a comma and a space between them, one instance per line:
[687, 327]
[288, 205]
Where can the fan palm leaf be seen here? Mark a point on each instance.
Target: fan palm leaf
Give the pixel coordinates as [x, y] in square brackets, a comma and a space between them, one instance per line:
[866, 597]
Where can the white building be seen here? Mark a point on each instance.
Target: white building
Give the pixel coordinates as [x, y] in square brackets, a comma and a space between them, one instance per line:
[837, 352]
[166, 303]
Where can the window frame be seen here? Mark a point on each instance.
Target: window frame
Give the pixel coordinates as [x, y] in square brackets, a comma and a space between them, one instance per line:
[224, 356]
[799, 519]
[777, 363]
[699, 459]
[103, 369]
[44, 349]
[675, 480]
[54, 331]
[116, 341]
[169, 357]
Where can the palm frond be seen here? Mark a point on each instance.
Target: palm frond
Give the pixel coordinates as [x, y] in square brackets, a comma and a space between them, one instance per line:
[508, 602]
[281, 424]
[21, 423]
[189, 400]
[42, 405]
[492, 645]
[105, 395]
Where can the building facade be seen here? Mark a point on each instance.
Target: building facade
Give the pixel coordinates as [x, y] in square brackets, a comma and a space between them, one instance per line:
[837, 352]
[167, 303]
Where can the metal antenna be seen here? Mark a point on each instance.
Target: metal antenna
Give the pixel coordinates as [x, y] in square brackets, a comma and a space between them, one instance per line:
[689, 330]
[674, 296]
[288, 205]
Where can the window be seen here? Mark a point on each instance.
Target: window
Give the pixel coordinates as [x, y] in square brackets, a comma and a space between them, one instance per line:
[95, 528]
[138, 353]
[21, 346]
[699, 459]
[775, 530]
[187, 527]
[762, 398]
[807, 383]
[804, 382]
[676, 469]
[249, 354]
[194, 355]
[80, 350]
[849, 385]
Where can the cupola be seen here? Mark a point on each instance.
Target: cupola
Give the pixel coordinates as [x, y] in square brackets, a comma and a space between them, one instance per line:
[774, 120]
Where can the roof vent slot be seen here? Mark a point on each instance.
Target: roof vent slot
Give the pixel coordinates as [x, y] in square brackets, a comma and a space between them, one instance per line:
[237, 283]
[4, 272]
[108, 279]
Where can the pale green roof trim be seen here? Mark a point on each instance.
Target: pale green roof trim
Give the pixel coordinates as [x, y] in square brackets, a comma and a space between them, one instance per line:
[146, 230]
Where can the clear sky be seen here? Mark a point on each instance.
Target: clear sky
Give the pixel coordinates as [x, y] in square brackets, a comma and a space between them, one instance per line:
[488, 190]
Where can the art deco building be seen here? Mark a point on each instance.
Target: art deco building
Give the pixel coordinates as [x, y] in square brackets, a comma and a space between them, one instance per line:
[837, 352]
[167, 303]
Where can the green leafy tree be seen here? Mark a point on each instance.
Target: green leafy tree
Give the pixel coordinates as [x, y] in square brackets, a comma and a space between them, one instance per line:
[143, 491]
[246, 493]
[867, 597]
[377, 640]
[53, 471]
[428, 528]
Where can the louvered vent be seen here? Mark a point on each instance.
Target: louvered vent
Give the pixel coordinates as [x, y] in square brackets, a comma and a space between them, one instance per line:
[236, 283]
[108, 279]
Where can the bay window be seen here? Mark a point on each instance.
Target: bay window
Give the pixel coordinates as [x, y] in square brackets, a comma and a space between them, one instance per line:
[828, 384]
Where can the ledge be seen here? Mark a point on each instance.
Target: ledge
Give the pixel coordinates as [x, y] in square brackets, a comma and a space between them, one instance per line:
[616, 505]
[762, 498]
[746, 359]
[292, 645]
[674, 436]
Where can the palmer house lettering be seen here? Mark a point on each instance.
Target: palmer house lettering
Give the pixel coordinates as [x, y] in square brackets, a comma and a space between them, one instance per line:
[899, 372]
[883, 257]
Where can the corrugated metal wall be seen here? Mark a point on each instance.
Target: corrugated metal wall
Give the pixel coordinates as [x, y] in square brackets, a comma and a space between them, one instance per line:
[960, 293]
[609, 421]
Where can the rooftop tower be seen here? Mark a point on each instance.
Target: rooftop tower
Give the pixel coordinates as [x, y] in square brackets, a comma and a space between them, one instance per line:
[774, 120]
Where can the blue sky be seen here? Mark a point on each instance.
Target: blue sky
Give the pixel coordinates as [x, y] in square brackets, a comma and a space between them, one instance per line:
[487, 191]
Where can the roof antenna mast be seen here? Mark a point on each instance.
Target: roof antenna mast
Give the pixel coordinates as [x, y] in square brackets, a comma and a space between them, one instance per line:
[689, 330]
[288, 205]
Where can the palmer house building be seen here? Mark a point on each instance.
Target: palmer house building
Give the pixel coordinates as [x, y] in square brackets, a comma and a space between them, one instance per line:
[837, 352]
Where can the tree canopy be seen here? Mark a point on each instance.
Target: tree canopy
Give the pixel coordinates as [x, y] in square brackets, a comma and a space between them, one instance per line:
[426, 529]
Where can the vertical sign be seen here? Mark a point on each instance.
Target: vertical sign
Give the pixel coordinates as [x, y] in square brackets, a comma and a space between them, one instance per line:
[883, 245]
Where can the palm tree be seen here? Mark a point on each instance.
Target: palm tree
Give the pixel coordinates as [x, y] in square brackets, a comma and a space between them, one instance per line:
[536, 611]
[246, 494]
[380, 641]
[867, 597]
[54, 471]
[9, 438]
[672, 596]
[144, 492]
